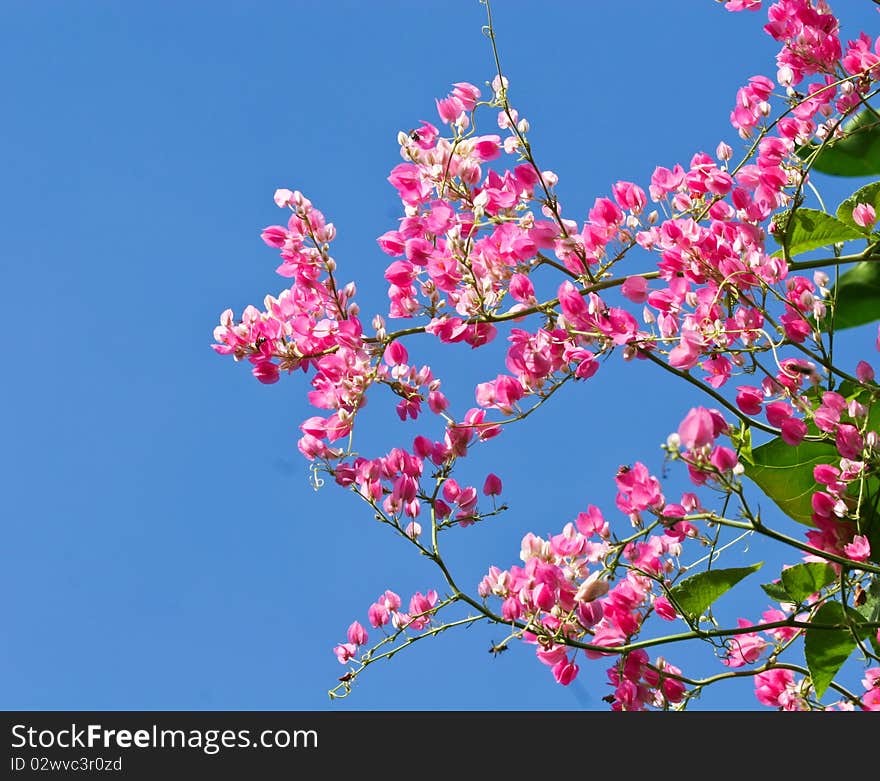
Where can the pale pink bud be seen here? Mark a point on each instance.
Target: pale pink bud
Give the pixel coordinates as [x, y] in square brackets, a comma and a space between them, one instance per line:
[785, 76]
[413, 530]
[592, 588]
[724, 152]
[283, 198]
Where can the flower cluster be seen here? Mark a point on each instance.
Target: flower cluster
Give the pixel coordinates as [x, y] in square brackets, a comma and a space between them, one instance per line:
[482, 232]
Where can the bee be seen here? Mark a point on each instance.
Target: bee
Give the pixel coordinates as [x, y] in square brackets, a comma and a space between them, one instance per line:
[500, 648]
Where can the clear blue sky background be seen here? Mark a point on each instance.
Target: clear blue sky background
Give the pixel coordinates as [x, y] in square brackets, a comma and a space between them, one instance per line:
[162, 547]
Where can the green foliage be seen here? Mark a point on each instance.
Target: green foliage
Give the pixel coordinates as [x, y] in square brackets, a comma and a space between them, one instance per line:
[785, 474]
[803, 230]
[826, 650]
[870, 610]
[856, 153]
[698, 592]
[857, 296]
[802, 580]
[869, 194]
[776, 592]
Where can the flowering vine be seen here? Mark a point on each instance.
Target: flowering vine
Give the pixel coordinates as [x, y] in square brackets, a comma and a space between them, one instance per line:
[703, 259]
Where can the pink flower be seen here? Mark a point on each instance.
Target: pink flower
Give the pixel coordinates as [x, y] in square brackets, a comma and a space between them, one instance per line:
[357, 634]
[744, 649]
[467, 93]
[864, 372]
[743, 5]
[344, 652]
[266, 372]
[521, 288]
[859, 549]
[864, 215]
[793, 431]
[565, 672]
[700, 427]
[449, 109]
[849, 441]
[663, 608]
[492, 486]
[776, 688]
[749, 399]
[635, 289]
[871, 682]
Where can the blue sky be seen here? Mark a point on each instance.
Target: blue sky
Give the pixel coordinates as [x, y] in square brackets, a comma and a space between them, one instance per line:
[163, 548]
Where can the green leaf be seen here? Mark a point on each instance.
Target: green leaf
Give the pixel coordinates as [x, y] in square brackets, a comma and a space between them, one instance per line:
[827, 649]
[801, 580]
[776, 592]
[808, 229]
[857, 153]
[742, 441]
[869, 194]
[696, 593]
[857, 296]
[785, 474]
[870, 611]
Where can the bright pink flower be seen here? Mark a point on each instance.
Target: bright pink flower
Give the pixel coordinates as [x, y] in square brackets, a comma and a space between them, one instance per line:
[743, 5]
[700, 427]
[565, 672]
[638, 489]
[629, 196]
[663, 608]
[849, 441]
[776, 688]
[871, 682]
[635, 289]
[749, 400]
[396, 354]
[344, 652]
[793, 431]
[723, 459]
[486, 148]
[467, 93]
[864, 215]
[859, 549]
[266, 372]
[521, 288]
[864, 372]
[357, 634]
[777, 412]
[449, 109]
[744, 649]
[492, 486]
